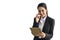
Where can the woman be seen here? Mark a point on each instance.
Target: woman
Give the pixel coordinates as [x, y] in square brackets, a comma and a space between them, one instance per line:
[43, 21]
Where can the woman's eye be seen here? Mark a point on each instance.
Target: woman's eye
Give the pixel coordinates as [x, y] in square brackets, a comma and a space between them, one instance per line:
[42, 10]
[39, 11]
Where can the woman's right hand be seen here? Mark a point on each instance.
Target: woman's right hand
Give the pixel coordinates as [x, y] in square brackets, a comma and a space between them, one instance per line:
[37, 18]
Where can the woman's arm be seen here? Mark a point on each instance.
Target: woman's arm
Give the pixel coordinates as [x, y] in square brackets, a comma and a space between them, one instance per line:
[35, 24]
[48, 36]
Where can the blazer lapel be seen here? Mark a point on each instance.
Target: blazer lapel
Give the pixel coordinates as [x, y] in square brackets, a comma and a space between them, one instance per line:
[45, 25]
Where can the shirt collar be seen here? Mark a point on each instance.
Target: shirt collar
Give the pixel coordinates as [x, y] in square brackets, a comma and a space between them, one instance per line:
[43, 19]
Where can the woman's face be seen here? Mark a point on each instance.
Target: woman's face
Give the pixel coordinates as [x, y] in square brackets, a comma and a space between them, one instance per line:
[42, 11]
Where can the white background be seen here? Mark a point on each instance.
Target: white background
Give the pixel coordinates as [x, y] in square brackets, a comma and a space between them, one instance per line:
[16, 17]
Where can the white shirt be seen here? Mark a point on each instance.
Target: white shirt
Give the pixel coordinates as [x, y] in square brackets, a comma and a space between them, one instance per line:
[42, 21]
[41, 24]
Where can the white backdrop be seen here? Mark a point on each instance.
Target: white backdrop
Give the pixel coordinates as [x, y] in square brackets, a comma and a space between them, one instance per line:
[16, 17]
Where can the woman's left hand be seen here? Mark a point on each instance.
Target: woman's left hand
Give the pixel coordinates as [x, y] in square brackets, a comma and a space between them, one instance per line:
[43, 35]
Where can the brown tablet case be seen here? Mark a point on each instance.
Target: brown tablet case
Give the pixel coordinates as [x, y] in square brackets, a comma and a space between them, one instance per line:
[35, 31]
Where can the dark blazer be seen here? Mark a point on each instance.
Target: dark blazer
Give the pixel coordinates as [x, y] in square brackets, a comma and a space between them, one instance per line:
[48, 28]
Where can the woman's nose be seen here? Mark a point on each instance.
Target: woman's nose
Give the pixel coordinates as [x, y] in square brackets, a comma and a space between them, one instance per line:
[41, 13]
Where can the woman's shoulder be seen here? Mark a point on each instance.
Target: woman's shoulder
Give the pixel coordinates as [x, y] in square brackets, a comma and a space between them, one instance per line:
[51, 20]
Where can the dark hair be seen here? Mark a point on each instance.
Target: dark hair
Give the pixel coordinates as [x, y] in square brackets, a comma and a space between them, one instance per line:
[42, 5]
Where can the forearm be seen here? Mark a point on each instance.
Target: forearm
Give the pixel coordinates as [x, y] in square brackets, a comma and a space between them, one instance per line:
[48, 36]
[35, 24]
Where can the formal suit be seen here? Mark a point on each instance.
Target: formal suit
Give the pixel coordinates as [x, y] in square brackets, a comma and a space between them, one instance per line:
[47, 28]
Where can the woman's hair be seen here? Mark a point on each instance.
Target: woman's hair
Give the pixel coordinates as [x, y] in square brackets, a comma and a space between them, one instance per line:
[42, 5]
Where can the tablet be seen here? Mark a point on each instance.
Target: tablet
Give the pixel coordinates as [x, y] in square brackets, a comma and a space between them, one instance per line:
[35, 30]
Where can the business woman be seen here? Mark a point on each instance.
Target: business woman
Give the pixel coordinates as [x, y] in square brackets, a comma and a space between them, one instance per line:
[43, 21]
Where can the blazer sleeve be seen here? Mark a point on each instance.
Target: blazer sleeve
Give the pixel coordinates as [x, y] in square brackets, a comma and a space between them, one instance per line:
[35, 24]
[50, 34]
